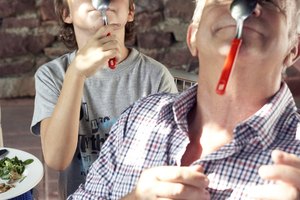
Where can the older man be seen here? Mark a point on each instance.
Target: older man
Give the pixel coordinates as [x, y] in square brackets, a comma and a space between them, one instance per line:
[201, 145]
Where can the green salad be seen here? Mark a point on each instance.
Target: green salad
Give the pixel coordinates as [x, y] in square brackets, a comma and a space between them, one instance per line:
[11, 169]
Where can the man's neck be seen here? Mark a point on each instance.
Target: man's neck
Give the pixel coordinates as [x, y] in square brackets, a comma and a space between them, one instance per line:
[226, 111]
[214, 117]
[247, 91]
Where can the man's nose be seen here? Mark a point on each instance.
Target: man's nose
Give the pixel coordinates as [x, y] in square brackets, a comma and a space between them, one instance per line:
[257, 10]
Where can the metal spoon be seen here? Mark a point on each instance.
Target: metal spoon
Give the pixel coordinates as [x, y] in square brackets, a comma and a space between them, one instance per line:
[102, 6]
[240, 10]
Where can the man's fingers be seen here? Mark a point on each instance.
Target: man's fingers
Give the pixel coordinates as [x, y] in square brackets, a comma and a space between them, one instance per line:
[282, 173]
[285, 172]
[281, 157]
[273, 192]
[187, 175]
[173, 182]
[168, 190]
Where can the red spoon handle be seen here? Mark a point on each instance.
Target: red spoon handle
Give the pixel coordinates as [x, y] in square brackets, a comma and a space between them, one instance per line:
[229, 62]
[112, 62]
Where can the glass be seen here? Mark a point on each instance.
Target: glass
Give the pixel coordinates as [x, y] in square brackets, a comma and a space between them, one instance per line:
[276, 5]
[273, 5]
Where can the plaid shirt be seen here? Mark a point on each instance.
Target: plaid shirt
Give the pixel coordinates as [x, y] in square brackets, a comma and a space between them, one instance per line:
[153, 132]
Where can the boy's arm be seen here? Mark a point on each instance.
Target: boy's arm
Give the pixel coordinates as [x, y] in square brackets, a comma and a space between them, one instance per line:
[59, 133]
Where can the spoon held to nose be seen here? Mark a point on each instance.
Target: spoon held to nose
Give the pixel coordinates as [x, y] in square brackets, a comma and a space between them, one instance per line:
[102, 6]
[240, 10]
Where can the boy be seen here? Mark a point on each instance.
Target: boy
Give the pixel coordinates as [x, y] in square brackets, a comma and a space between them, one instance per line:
[78, 97]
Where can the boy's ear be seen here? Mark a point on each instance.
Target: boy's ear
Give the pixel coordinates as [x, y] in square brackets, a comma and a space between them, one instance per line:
[294, 53]
[130, 17]
[66, 16]
[191, 39]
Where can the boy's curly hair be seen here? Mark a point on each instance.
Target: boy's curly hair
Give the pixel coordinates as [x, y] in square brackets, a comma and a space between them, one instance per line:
[67, 34]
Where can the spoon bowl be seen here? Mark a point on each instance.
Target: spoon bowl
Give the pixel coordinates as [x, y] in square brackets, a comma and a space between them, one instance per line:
[102, 6]
[241, 10]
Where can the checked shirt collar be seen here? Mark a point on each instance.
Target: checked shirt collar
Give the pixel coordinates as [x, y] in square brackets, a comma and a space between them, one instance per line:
[259, 129]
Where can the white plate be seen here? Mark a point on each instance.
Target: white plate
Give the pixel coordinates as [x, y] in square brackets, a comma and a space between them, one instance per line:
[34, 173]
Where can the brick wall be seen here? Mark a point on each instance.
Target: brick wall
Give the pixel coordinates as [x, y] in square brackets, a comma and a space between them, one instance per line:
[28, 38]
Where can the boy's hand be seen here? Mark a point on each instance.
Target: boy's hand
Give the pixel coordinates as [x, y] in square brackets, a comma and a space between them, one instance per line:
[172, 182]
[98, 50]
[286, 173]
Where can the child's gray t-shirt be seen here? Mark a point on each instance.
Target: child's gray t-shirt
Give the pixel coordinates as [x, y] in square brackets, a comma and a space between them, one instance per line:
[106, 94]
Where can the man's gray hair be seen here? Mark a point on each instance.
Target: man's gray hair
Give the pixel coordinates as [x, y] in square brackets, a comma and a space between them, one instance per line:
[198, 10]
[298, 16]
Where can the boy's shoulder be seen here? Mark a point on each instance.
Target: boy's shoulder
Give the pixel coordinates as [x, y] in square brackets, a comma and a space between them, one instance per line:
[139, 56]
[147, 64]
[62, 61]
[56, 66]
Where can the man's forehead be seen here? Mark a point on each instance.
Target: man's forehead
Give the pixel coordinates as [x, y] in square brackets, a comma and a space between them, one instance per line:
[285, 4]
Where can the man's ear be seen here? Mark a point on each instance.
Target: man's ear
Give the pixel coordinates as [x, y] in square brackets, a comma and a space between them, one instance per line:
[191, 39]
[67, 16]
[130, 17]
[294, 53]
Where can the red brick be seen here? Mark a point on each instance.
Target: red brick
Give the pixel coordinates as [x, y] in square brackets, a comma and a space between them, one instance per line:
[149, 6]
[12, 45]
[11, 7]
[17, 66]
[47, 10]
[154, 39]
[12, 22]
[36, 44]
[147, 20]
[179, 9]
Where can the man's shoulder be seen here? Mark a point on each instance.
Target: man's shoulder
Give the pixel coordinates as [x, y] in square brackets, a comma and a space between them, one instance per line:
[154, 102]
[158, 99]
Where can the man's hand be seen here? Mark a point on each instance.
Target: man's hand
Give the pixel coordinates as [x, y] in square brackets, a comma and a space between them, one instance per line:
[285, 172]
[171, 182]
